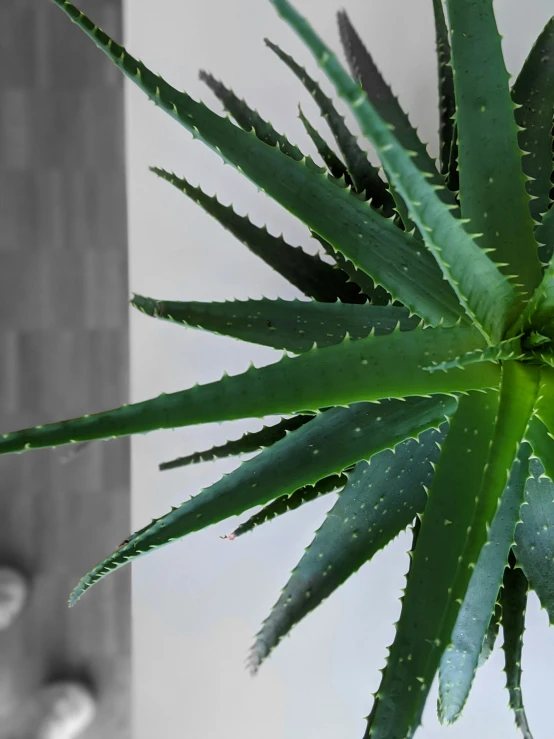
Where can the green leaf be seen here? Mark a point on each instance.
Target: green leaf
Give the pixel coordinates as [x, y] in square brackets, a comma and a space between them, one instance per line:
[534, 92]
[460, 660]
[322, 203]
[514, 604]
[447, 100]
[286, 503]
[487, 296]
[453, 175]
[492, 633]
[308, 273]
[327, 445]
[365, 176]
[506, 350]
[421, 632]
[250, 442]
[492, 184]
[544, 236]
[545, 400]
[249, 119]
[363, 68]
[333, 163]
[367, 369]
[535, 536]
[283, 324]
[477, 455]
[539, 311]
[380, 500]
[542, 444]
[375, 293]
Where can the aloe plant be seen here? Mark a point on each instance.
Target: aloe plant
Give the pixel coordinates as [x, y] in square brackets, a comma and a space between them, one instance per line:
[417, 380]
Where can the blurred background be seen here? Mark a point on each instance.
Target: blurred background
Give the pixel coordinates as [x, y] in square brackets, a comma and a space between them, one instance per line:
[64, 334]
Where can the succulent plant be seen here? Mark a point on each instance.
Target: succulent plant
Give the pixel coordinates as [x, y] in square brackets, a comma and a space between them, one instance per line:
[418, 380]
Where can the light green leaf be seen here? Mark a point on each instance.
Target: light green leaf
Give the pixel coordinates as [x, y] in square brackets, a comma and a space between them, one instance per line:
[460, 660]
[293, 325]
[378, 367]
[514, 604]
[327, 445]
[545, 401]
[380, 500]
[487, 296]
[492, 184]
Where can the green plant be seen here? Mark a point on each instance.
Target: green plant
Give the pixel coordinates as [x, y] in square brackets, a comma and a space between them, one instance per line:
[422, 381]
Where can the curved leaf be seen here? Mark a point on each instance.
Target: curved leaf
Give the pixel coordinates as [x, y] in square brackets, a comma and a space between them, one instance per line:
[327, 445]
[283, 324]
[380, 500]
[368, 369]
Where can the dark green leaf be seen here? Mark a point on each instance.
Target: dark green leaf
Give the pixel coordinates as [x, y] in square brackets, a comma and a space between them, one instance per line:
[380, 500]
[293, 325]
[286, 503]
[514, 603]
[253, 441]
[312, 276]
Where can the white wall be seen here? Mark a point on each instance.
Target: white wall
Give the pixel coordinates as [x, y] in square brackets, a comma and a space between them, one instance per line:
[198, 603]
